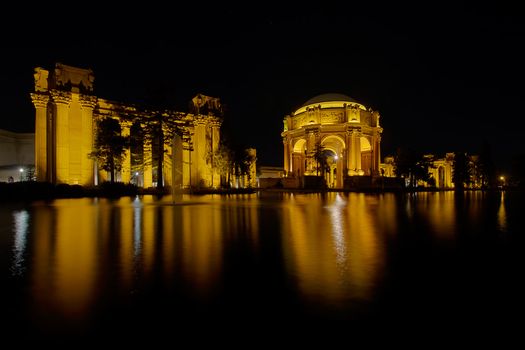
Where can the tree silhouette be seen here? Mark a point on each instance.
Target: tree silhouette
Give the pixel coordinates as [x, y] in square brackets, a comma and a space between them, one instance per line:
[461, 171]
[320, 156]
[486, 166]
[110, 146]
[159, 129]
[413, 166]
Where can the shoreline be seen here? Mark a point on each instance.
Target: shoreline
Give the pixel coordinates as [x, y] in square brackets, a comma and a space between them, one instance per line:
[32, 191]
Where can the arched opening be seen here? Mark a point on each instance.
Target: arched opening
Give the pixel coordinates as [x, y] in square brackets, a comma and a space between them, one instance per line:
[298, 158]
[333, 147]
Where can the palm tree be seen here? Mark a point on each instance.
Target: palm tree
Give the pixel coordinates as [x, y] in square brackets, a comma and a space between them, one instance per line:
[320, 157]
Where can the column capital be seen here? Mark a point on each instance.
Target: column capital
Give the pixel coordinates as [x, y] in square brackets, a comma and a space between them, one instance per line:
[39, 100]
[88, 101]
[61, 97]
[200, 120]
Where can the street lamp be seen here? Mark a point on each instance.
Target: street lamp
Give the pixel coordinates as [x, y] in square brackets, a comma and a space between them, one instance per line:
[21, 170]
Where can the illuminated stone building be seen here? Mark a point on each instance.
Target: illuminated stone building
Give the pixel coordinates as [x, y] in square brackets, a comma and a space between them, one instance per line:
[441, 171]
[67, 112]
[335, 130]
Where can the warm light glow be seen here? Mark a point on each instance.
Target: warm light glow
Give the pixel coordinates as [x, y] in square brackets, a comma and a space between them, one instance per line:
[502, 178]
[334, 252]
[21, 170]
[336, 157]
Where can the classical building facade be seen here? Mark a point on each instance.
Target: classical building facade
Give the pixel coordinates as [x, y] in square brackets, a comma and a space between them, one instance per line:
[333, 136]
[441, 171]
[67, 112]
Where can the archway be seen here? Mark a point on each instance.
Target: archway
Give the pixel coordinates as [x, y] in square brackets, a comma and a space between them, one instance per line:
[333, 147]
[298, 157]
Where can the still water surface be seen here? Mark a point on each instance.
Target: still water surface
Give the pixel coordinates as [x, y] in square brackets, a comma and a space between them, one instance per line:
[81, 266]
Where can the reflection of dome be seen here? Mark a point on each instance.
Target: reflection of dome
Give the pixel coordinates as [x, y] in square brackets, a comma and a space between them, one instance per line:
[328, 98]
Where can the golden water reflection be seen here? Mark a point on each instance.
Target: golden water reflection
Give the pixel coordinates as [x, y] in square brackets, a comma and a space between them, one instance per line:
[331, 247]
[336, 252]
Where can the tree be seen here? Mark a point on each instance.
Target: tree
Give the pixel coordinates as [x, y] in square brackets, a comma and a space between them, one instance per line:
[414, 166]
[222, 160]
[110, 146]
[320, 156]
[158, 131]
[242, 161]
[422, 169]
[404, 164]
[486, 167]
[461, 171]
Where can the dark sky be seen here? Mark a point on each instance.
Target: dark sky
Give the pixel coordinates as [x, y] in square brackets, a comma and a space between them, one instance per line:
[443, 76]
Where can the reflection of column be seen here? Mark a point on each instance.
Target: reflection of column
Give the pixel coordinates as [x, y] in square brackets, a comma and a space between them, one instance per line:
[87, 104]
[148, 160]
[166, 228]
[74, 271]
[202, 248]
[40, 101]
[126, 243]
[62, 100]
[148, 238]
[125, 173]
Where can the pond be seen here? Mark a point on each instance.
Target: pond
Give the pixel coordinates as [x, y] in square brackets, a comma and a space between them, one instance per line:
[80, 266]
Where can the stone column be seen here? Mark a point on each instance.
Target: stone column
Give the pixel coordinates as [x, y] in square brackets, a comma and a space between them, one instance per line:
[40, 101]
[357, 150]
[62, 101]
[352, 166]
[339, 175]
[125, 172]
[198, 156]
[87, 165]
[177, 168]
[187, 150]
[215, 137]
[376, 155]
[286, 155]
[167, 164]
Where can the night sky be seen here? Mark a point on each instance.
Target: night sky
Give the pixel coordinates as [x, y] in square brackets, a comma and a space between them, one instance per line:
[444, 77]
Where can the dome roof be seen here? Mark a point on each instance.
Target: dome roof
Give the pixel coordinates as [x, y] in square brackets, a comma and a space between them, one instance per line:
[328, 98]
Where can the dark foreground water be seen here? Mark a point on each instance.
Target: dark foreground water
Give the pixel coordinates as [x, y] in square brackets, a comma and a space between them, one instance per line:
[86, 267]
